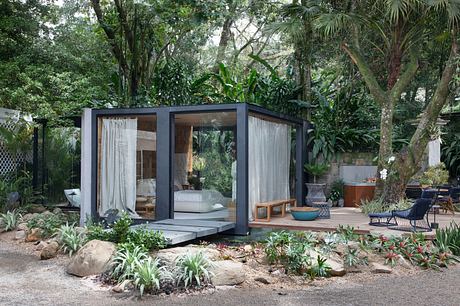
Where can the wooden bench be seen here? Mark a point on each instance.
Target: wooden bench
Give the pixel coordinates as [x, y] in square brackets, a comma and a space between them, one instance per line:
[268, 206]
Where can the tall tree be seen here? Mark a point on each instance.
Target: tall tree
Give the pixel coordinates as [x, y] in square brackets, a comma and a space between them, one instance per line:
[398, 30]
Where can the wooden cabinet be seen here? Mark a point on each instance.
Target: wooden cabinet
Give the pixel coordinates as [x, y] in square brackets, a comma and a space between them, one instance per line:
[354, 193]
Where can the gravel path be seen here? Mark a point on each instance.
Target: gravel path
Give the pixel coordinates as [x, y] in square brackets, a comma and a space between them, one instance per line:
[25, 280]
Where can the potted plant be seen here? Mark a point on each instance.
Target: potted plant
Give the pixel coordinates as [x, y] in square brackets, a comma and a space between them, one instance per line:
[336, 194]
[316, 191]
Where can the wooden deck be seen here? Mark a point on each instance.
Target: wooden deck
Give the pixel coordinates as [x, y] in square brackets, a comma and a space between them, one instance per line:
[344, 216]
[178, 230]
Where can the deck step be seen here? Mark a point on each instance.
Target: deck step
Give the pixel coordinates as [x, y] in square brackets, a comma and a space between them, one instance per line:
[179, 230]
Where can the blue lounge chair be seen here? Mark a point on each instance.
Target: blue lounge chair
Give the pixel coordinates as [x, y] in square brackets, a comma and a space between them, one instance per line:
[416, 216]
[382, 219]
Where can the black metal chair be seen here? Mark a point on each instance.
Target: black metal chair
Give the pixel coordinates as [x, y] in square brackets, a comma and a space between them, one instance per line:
[416, 216]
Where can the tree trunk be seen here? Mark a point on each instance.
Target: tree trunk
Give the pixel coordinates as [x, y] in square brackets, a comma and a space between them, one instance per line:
[225, 35]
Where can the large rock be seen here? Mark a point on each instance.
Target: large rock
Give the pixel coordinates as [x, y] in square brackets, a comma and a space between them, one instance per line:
[49, 251]
[227, 273]
[2, 224]
[34, 234]
[169, 256]
[27, 217]
[93, 258]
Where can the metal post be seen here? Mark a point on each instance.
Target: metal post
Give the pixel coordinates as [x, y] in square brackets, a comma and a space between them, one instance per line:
[242, 181]
[165, 149]
[301, 159]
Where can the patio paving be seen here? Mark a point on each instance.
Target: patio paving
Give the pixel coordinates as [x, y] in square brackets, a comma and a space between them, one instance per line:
[346, 216]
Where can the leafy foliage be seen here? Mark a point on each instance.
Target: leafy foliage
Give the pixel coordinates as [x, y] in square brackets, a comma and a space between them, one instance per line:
[147, 239]
[126, 261]
[48, 223]
[148, 275]
[377, 206]
[435, 175]
[448, 239]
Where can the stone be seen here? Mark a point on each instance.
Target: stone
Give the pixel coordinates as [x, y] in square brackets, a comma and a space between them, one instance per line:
[354, 245]
[33, 235]
[404, 263]
[169, 256]
[341, 248]
[248, 248]
[122, 286]
[41, 245]
[227, 273]
[22, 227]
[379, 268]
[37, 208]
[20, 235]
[2, 224]
[262, 280]
[57, 211]
[93, 258]
[49, 251]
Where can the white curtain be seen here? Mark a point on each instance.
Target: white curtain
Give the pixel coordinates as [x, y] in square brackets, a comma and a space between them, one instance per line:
[269, 159]
[118, 165]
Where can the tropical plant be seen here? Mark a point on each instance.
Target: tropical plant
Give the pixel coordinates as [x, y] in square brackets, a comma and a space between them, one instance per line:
[352, 258]
[276, 244]
[70, 239]
[448, 238]
[451, 154]
[316, 169]
[320, 268]
[193, 269]
[377, 206]
[148, 275]
[126, 260]
[336, 190]
[10, 219]
[120, 228]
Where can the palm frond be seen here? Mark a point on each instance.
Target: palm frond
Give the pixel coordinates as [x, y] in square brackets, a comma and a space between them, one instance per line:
[331, 23]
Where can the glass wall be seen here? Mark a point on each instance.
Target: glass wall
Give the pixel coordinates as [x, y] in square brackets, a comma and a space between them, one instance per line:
[127, 147]
[271, 160]
[204, 167]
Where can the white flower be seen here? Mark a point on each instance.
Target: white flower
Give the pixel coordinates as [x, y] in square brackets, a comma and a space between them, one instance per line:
[391, 159]
[384, 174]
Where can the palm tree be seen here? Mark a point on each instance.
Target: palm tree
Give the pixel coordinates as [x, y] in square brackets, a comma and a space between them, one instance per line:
[396, 30]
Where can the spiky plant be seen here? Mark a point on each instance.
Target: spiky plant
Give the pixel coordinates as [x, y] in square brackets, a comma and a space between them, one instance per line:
[148, 275]
[70, 239]
[11, 219]
[125, 261]
[193, 269]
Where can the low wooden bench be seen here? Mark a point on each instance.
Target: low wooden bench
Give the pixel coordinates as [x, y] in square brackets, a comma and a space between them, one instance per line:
[268, 206]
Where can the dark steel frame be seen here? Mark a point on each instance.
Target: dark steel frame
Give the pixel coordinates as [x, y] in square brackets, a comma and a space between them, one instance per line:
[165, 135]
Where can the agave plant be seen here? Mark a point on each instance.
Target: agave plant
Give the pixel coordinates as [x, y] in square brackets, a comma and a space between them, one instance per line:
[11, 219]
[148, 274]
[126, 260]
[193, 269]
[70, 239]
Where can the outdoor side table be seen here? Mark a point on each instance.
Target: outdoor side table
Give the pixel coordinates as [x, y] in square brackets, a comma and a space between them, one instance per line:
[324, 210]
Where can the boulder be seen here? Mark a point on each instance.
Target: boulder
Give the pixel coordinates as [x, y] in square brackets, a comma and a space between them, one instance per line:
[93, 258]
[33, 235]
[341, 248]
[227, 273]
[27, 217]
[379, 268]
[20, 235]
[122, 286]
[22, 227]
[169, 256]
[49, 251]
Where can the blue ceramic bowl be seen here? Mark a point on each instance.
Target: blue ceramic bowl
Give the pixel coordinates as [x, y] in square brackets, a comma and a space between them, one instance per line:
[304, 213]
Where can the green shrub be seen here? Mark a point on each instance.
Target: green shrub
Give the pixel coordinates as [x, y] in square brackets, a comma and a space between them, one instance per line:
[148, 275]
[97, 232]
[10, 219]
[48, 223]
[125, 261]
[193, 270]
[70, 239]
[435, 175]
[377, 206]
[147, 239]
[120, 228]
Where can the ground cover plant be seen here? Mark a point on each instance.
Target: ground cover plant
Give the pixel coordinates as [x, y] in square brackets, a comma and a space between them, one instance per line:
[70, 238]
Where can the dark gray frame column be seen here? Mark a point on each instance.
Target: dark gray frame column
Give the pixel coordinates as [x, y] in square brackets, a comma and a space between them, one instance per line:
[301, 159]
[242, 113]
[165, 151]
